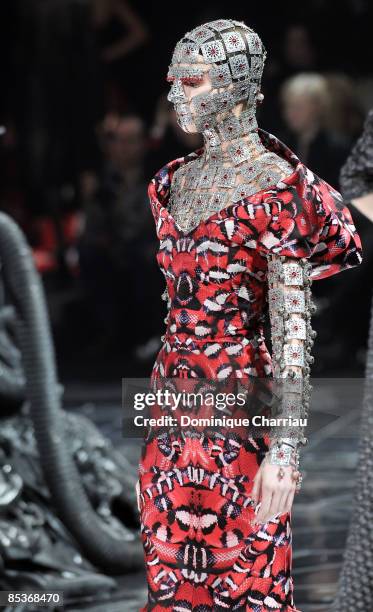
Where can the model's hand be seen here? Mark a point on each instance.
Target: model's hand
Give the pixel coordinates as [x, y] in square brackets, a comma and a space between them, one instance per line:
[275, 496]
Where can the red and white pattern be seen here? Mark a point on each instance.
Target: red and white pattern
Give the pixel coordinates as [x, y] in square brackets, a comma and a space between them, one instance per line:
[201, 552]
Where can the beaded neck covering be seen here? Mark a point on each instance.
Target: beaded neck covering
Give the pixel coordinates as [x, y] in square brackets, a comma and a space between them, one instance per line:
[234, 164]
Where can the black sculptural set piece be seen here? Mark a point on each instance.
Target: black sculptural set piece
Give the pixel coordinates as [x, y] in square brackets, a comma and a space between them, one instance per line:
[59, 477]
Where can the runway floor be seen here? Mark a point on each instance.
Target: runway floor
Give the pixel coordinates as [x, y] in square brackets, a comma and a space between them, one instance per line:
[321, 512]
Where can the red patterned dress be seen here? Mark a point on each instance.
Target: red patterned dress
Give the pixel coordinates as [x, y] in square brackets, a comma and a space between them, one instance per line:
[201, 552]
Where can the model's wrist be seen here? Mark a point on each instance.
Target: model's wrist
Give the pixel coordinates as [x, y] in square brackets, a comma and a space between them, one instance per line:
[282, 453]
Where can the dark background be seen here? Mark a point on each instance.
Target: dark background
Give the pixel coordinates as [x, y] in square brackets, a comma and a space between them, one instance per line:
[83, 101]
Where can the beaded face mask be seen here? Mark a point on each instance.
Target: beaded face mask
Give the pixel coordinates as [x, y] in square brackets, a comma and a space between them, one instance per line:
[235, 56]
[234, 163]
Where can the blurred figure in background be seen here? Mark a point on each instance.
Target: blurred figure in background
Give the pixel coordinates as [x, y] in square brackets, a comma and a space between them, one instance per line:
[116, 247]
[345, 115]
[297, 52]
[306, 103]
[118, 31]
[71, 66]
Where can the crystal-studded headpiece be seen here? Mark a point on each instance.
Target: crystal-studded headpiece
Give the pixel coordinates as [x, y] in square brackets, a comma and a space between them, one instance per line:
[237, 56]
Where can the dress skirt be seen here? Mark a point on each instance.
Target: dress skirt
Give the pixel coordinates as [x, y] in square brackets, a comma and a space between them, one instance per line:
[201, 552]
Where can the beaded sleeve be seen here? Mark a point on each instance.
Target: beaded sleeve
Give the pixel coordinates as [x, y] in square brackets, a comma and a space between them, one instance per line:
[290, 310]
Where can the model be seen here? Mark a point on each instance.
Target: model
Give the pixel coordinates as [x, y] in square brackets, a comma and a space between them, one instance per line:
[242, 223]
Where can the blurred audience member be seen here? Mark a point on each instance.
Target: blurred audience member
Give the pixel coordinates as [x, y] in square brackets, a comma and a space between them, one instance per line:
[299, 53]
[117, 245]
[306, 103]
[296, 54]
[69, 70]
[344, 115]
[119, 31]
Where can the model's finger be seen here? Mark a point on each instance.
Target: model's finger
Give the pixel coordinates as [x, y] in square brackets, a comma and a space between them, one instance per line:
[275, 505]
[283, 501]
[289, 501]
[256, 490]
[265, 505]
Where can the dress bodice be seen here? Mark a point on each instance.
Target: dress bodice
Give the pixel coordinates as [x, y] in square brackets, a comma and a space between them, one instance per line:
[216, 273]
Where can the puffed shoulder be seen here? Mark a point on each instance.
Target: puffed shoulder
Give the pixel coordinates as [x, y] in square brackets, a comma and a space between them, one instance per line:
[303, 216]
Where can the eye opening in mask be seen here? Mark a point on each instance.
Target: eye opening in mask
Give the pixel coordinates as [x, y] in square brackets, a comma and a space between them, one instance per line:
[192, 80]
[188, 80]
